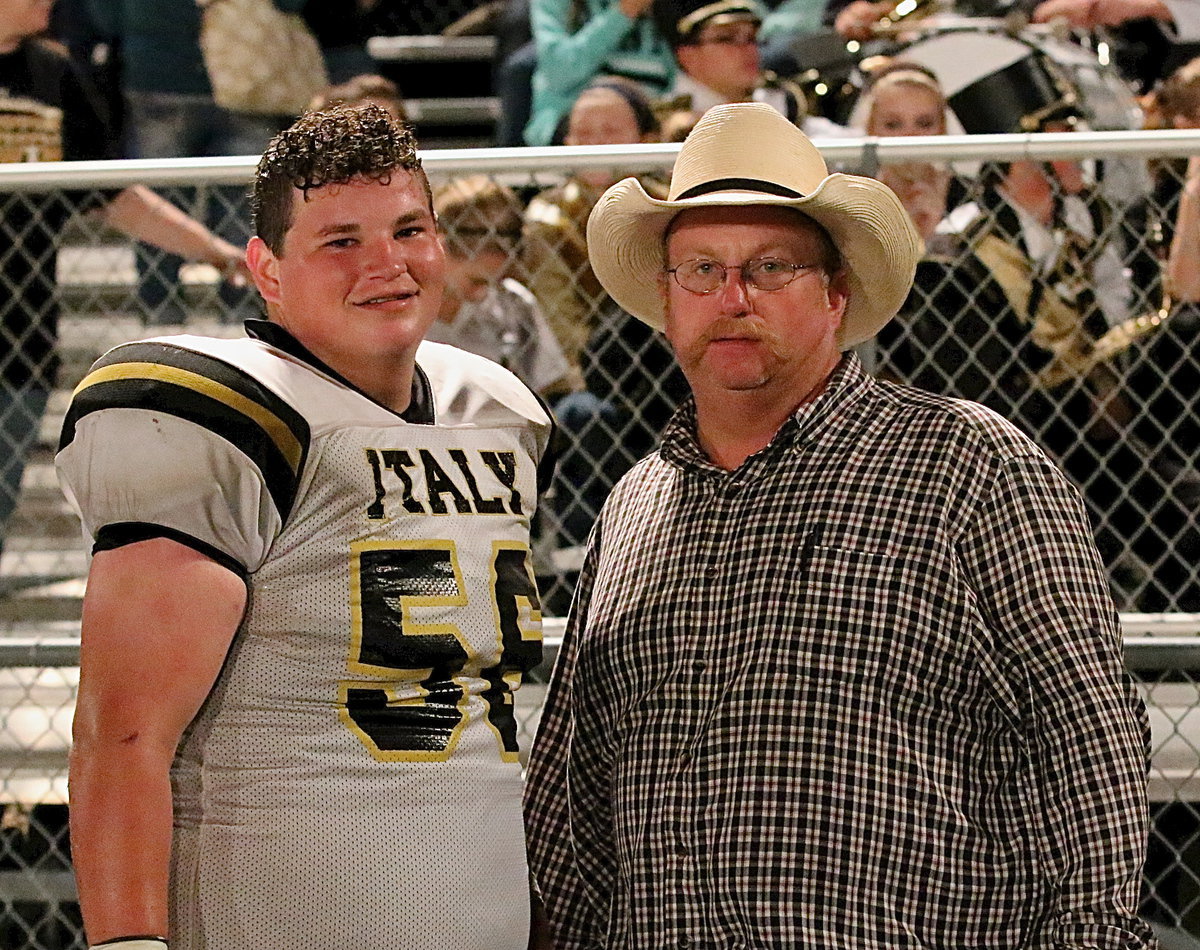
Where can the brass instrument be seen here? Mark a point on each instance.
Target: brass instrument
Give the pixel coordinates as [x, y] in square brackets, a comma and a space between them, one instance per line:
[29, 131]
[1120, 338]
[905, 13]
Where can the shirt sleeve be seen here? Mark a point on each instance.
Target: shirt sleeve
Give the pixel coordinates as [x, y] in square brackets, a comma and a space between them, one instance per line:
[791, 17]
[573, 920]
[1030, 556]
[566, 59]
[539, 351]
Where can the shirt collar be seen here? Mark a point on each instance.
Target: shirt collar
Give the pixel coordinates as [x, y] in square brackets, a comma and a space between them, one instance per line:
[847, 385]
[703, 97]
[420, 406]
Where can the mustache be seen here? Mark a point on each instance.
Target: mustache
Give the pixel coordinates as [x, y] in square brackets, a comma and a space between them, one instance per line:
[745, 328]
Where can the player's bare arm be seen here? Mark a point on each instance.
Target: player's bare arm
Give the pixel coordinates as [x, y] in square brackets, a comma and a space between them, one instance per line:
[158, 618]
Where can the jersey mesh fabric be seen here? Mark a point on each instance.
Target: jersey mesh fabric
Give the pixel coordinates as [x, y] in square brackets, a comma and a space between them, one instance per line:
[346, 784]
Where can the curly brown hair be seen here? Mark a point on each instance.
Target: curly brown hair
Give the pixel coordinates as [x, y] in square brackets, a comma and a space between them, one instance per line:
[330, 147]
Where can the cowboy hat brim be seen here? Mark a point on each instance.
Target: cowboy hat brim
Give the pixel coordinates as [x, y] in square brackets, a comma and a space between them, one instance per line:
[863, 217]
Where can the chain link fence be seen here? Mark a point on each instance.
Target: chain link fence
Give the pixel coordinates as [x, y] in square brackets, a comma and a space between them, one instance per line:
[1111, 392]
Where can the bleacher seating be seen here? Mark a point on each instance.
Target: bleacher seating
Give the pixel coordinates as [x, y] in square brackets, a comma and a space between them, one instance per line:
[463, 112]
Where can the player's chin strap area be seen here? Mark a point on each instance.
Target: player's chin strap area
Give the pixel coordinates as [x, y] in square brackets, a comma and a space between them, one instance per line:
[132, 943]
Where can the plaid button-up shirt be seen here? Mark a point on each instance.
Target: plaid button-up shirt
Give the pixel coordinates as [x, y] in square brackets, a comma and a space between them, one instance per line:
[866, 691]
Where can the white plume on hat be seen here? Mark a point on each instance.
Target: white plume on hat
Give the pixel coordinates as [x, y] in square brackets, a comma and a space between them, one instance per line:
[746, 153]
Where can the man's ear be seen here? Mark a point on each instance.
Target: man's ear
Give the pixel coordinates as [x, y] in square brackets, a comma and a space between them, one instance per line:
[264, 267]
[838, 294]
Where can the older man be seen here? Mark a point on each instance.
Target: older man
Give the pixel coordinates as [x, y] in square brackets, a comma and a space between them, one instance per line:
[842, 669]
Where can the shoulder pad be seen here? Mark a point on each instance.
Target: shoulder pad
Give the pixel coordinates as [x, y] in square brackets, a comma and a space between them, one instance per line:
[473, 390]
[209, 392]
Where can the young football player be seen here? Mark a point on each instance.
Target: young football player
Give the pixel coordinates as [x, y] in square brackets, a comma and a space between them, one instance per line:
[311, 595]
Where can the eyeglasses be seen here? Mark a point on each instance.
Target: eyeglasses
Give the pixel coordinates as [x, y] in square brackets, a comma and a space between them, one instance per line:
[728, 41]
[731, 38]
[764, 273]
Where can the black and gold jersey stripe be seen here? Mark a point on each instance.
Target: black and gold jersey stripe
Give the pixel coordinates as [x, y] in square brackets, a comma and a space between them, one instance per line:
[208, 392]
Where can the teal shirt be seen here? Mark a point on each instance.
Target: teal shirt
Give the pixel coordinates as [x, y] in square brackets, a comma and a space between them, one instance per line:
[792, 17]
[607, 42]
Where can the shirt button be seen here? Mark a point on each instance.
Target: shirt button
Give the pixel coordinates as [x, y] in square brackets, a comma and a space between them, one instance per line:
[699, 666]
[685, 759]
[684, 943]
[712, 572]
[682, 851]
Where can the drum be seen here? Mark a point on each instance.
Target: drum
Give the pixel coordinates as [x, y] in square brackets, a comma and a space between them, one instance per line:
[996, 80]
[999, 80]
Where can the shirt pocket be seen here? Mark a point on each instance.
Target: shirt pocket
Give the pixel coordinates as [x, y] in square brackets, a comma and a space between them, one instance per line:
[842, 621]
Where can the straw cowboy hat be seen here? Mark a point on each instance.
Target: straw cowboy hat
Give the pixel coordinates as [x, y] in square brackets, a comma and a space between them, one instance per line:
[746, 153]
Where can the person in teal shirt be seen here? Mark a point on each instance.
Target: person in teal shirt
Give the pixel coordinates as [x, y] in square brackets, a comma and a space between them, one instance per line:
[579, 39]
[791, 18]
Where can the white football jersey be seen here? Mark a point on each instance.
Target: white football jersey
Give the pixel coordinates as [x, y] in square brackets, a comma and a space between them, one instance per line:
[352, 780]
